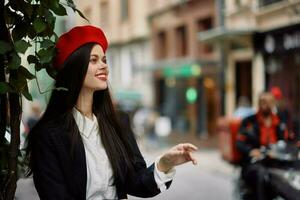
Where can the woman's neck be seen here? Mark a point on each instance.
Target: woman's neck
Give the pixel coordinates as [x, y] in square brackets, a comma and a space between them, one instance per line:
[84, 103]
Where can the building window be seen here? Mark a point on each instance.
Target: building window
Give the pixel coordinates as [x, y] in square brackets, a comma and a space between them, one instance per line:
[204, 25]
[161, 45]
[268, 2]
[181, 41]
[104, 14]
[124, 9]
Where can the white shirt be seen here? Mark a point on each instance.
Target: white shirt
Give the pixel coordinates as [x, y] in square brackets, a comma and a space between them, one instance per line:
[99, 170]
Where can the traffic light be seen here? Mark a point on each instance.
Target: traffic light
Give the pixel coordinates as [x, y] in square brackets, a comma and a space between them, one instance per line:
[191, 95]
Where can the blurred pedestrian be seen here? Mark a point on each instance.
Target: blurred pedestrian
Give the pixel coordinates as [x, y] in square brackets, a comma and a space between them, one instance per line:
[82, 148]
[139, 120]
[150, 125]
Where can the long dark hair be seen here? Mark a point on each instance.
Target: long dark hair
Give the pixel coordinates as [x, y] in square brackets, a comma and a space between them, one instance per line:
[61, 105]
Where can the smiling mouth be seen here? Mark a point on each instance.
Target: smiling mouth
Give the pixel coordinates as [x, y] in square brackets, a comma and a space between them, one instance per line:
[102, 76]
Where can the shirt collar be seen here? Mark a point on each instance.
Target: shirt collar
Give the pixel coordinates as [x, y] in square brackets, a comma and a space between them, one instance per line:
[86, 126]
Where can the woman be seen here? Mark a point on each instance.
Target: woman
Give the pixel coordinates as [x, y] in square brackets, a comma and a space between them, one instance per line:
[82, 148]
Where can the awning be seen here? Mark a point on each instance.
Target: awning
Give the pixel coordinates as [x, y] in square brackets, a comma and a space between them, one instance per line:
[182, 67]
[185, 70]
[221, 33]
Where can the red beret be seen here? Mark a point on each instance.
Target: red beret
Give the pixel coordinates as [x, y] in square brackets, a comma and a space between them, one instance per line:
[76, 37]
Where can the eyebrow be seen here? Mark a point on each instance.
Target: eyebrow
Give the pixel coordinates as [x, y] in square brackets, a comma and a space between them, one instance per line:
[95, 55]
[104, 57]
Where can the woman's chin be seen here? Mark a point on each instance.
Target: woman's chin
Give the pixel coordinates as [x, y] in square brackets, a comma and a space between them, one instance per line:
[102, 87]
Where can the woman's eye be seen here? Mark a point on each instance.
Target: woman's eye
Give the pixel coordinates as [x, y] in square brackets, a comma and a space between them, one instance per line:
[93, 60]
[104, 60]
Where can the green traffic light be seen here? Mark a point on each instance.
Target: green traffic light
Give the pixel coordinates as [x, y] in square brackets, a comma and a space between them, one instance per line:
[191, 95]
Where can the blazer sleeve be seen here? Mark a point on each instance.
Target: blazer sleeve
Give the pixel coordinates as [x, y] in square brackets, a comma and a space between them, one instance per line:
[47, 175]
[142, 182]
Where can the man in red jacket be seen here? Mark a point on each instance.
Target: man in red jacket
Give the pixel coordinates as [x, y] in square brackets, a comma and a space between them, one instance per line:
[261, 129]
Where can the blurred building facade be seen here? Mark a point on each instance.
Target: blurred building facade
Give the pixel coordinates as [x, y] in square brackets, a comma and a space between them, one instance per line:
[185, 70]
[156, 60]
[125, 25]
[261, 43]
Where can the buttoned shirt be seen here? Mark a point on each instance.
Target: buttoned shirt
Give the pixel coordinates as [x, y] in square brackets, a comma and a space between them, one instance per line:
[99, 170]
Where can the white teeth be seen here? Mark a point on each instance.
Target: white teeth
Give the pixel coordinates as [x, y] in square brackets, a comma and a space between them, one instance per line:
[101, 76]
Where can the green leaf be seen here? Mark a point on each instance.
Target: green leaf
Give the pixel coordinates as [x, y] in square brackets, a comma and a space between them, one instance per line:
[50, 18]
[46, 55]
[4, 47]
[31, 32]
[21, 46]
[39, 25]
[59, 10]
[49, 31]
[38, 66]
[32, 59]
[23, 87]
[20, 29]
[52, 3]
[24, 72]
[27, 95]
[70, 3]
[51, 71]
[47, 43]
[14, 62]
[5, 87]
[19, 83]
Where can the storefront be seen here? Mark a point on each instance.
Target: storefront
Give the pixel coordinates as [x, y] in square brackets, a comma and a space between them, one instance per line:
[281, 53]
[188, 94]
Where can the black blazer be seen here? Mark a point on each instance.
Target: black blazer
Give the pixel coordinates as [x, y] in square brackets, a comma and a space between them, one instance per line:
[59, 176]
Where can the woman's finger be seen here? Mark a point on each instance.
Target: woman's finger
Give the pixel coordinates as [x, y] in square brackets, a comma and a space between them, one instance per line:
[192, 158]
[189, 148]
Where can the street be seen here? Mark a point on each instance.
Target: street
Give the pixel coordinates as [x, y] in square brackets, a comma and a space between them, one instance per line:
[223, 75]
[211, 179]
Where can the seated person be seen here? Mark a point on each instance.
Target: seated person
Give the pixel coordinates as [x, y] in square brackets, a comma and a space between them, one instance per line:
[258, 130]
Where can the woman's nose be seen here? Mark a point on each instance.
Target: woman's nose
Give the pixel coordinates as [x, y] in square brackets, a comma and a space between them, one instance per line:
[103, 66]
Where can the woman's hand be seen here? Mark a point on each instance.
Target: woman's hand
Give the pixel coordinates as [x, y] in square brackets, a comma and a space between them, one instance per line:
[177, 155]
